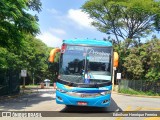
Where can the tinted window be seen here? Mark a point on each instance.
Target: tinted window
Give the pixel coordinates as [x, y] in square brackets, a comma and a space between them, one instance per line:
[96, 61]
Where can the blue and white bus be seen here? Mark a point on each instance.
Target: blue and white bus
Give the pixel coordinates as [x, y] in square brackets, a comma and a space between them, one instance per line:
[85, 72]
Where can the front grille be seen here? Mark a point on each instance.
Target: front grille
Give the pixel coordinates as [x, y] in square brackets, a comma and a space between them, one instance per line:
[84, 95]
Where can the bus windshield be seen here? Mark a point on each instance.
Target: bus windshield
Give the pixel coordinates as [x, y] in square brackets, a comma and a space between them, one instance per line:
[83, 62]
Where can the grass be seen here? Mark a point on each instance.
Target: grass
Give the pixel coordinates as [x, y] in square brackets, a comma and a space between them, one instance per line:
[30, 86]
[134, 92]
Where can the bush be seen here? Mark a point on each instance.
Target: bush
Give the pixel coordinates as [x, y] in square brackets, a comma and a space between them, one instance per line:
[134, 92]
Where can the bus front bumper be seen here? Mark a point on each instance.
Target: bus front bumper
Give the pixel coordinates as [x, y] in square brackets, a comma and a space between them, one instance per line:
[100, 101]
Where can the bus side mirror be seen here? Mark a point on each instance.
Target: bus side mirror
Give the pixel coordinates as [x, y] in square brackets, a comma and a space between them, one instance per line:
[53, 54]
[115, 59]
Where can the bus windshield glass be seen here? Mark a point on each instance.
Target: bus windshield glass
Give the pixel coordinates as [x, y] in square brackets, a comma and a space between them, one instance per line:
[78, 63]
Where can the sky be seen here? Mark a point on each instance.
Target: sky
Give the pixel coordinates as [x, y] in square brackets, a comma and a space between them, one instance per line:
[64, 19]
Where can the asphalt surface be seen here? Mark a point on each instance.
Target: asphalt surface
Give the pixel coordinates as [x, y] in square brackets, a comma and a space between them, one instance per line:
[44, 100]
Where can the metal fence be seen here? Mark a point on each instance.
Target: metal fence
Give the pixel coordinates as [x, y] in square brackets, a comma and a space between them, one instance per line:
[140, 85]
[9, 82]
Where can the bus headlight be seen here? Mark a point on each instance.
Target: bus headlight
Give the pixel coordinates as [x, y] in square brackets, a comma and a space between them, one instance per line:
[61, 90]
[106, 92]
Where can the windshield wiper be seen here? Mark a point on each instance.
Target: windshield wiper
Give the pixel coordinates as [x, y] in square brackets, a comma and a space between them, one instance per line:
[96, 85]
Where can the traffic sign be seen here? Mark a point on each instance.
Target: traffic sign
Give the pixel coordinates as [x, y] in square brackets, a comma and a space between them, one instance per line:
[23, 73]
[119, 76]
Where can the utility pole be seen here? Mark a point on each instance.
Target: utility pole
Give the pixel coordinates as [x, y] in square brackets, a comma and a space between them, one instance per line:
[113, 75]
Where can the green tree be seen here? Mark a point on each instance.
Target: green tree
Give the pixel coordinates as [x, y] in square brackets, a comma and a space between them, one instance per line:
[143, 62]
[134, 65]
[54, 67]
[151, 59]
[33, 57]
[16, 22]
[19, 49]
[125, 19]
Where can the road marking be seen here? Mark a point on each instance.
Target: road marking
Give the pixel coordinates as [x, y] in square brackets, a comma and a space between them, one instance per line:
[152, 118]
[126, 111]
[147, 108]
[138, 109]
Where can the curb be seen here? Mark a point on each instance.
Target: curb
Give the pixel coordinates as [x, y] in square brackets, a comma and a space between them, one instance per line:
[114, 92]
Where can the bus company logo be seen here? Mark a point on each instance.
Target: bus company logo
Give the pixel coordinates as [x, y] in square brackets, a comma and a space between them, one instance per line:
[6, 114]
[97, 53]
[97, 56]
[86, 95]
[82, 95]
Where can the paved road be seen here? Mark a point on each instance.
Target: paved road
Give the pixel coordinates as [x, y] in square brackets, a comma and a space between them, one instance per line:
[44, 100]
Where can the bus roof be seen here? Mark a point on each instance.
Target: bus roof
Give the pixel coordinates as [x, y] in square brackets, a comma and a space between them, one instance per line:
[90, 42]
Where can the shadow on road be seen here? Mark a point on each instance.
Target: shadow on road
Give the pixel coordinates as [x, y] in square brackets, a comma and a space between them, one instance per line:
[27, 100]
[84, 109]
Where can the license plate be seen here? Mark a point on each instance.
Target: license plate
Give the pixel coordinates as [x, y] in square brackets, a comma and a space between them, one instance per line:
[82, 103]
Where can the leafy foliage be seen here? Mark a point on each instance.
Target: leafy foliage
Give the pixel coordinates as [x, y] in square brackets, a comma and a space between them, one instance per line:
[32, 56]
[134, 65]
[129, 21]
[15, 21]
[125, 19]
[144, 61]
[54, 67]
[19, 49]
